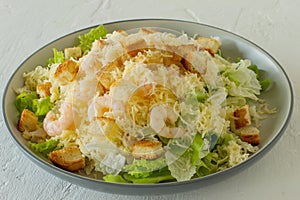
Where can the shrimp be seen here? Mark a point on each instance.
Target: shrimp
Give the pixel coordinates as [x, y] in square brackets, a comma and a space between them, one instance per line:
[159, 116]
[99, 106]
[54, 126]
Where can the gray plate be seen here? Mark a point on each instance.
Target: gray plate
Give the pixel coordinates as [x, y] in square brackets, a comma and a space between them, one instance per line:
[280, 95]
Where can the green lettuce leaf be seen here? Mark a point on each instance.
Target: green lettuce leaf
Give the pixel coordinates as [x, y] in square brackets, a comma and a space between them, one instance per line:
[41, 106]
[114, 179]
[196, 148]
[44, 148]
[255, 69]
[182, 168]
[86, 40]
[143, 168]
[201, 95]
[208, 164]
[264, 83]
[155, 177]
[58, 57]
[25, 101]
[243, 81]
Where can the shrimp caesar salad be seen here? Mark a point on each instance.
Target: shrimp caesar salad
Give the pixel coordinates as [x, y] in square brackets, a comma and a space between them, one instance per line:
[143, 107]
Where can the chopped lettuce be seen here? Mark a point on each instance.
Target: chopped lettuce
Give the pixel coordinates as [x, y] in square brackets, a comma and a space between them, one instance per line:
[31, 101]
[112, 163]
[213, 139]
[179, 158]
[255, 69]
[182, 168]
[25, 101]
[86, 40]
[155, 177]
[44, 148]
[208, 164]
[143, 168]
[114, 179]
[58, 57]
[265, 84]
[217, 157]
[201, 95]
[196, 148]
[146, 171]
[242, 81]
[41, 106]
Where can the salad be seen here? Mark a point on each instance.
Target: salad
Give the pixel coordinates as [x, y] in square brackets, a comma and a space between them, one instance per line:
[145, 107]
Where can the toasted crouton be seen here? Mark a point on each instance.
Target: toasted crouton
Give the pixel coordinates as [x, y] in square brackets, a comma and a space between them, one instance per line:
[210, 44]
[28, 121]
[43, 89]
[73, 52]
[66, 72]
[68, 158]
[105, 75]
[147, 149]
[250, 134]
[242, 117]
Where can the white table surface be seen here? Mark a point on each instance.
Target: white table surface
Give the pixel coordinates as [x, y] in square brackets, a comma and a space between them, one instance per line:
[25, 26]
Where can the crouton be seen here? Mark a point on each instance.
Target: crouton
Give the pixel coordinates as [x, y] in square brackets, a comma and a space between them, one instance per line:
[105, 75]
[250, 134]
[28, 121]
[43, 89]
[147, 149]
[66, 72]
[210, 44]
[73, 52]
[175, 54]
[242, 117]
[68, 158]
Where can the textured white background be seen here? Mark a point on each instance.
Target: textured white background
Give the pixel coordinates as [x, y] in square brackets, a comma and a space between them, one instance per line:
[274, 25]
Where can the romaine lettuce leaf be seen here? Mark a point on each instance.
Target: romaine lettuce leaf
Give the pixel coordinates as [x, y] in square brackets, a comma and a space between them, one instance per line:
[45, 147]
[31, 101]
[242, 80]
[143, 168]
[155, 177]
[114, 179]
[112, 163]
[208, 164]
[58, 57]
[147, 171]
[265, 83]
[201, 95]
[86, 40]
[41, 106]
[182, 168]
[196, 148]
[25, 101]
